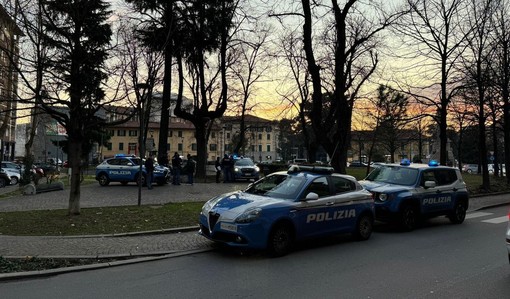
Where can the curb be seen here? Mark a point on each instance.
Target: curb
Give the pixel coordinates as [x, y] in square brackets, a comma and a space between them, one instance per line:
[51, 272]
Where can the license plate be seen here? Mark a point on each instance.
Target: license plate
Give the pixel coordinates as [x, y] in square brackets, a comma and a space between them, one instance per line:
[228, 226]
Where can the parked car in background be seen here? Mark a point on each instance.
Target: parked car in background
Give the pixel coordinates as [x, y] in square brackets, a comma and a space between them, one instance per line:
[502, 170]
[14, 175]
[245, 169]
[357, 164]
[12, 165]
[470, 168]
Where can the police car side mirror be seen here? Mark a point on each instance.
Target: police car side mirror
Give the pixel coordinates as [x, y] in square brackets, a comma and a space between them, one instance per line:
[130, 164]
[312, 196]
[430, 184]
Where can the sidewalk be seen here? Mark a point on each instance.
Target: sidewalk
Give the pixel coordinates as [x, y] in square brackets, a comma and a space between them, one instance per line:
[137, 244]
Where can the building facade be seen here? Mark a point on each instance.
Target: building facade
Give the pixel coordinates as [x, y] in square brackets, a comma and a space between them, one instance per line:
[9, 50]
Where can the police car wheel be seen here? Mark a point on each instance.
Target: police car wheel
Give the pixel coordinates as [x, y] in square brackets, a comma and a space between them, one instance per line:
[103, 180]
[3, 182]
[408, 218]
[459, 213]
[364, 228]
[280, 241]
[14, 180]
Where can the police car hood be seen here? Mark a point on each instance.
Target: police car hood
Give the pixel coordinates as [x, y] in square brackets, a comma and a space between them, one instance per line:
[231, 205]
[382, 187]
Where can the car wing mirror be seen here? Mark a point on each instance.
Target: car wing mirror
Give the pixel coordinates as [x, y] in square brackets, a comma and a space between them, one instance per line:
[430, 184]
[312, 196]
[130, 164]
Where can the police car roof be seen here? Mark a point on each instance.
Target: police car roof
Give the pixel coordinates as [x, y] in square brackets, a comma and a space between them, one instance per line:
[311, 169]
[431, 164]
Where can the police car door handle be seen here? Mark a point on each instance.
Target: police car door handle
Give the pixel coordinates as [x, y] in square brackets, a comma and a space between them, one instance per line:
[438, 191]
[330, 203]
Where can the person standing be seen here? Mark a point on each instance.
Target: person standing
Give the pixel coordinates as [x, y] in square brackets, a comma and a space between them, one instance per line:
[149, 169]
[190, 169]
[176, 167]
[217, 166]
[225, 165]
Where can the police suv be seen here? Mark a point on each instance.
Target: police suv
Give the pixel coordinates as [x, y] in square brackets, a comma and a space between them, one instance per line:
[125, 169]
[285, 207]
[406, 193]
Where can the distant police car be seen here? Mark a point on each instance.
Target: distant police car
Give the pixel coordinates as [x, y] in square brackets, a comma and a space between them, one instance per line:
[407, 192]
[284, 207]
[125, 169]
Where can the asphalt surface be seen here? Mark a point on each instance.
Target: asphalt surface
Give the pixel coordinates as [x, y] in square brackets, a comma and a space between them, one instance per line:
[154, 244]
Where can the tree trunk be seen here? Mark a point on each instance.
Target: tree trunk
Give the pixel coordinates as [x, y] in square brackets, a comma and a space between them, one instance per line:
[75, 154]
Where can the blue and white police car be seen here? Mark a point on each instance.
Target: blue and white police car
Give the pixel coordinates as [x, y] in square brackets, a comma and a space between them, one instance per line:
[406, 193]
[125, 169]
[284, 207]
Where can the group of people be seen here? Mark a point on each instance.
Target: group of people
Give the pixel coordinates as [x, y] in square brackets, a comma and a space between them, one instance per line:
[177, 169]
[227, 166]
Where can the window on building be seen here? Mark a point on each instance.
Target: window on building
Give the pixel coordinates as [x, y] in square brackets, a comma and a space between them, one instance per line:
[179, 133]
[133, 132]
[213, 147]
[121, 146]
[269, 129]
[179, 147]
[213, 134]
[268, 137]
[168, 146]
[109, 146]
[228, 136]
[260, 136]
[170, 133]
[111, 133]
[193, 146]
[132, 148]
[121, 132]
[252, 148]
[268, 147]
[260, 147]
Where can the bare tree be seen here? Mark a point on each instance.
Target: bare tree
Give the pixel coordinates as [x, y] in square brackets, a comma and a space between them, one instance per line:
[476, 67]
[353, 39]
[434, 30]
[248, 70]
[501, 68]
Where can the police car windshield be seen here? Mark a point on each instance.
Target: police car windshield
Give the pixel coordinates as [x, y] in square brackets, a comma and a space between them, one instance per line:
[278, 186]
[394, 175]
[244, 162]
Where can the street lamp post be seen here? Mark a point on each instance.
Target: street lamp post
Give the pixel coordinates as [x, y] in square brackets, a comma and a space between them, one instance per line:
[141, 111]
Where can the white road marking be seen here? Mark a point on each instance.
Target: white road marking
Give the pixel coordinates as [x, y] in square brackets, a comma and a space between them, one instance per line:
[477, 215]
[497, 220]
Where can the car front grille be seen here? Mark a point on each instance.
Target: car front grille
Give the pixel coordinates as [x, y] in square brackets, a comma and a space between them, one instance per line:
[247, 170]
[213, 219]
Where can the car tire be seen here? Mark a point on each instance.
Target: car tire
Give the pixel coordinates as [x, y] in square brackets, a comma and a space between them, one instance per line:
[280, 240]
[3, 182]
[14, 180]
[458, 214]
[408, 218]
[103, 179]
[469, 171]
[364, 228]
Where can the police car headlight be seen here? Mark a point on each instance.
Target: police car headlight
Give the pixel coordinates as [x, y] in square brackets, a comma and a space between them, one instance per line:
[257, 169]
[237, 169]
[383, 197]
[249, 216]
[158, 170]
